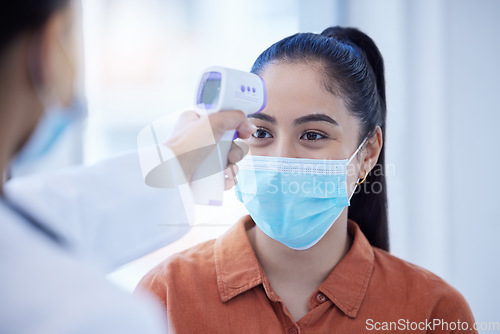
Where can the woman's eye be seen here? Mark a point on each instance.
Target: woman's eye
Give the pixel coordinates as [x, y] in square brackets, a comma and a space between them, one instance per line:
[261, 133]
[312, 136]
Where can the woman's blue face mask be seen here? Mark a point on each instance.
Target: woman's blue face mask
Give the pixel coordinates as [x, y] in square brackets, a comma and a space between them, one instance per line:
[294, 201]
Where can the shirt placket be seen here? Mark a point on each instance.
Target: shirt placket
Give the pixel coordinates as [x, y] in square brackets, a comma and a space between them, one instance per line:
[291, 327]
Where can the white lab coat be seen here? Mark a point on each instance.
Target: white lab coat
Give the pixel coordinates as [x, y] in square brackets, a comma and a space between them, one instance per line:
[108, 217]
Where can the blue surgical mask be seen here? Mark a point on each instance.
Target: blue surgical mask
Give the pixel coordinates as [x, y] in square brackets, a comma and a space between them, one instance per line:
[294, 201]
[52, 125]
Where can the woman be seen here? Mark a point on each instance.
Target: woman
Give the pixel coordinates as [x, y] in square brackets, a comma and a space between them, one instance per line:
[304, 261]
[59, 231]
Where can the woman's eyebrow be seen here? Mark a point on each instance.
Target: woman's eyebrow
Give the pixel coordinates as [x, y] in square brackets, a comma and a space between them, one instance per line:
[315, 118]
[264, 117]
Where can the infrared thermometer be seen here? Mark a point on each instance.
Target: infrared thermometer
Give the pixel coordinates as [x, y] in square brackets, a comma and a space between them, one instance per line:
[222, 89]
[219, 89]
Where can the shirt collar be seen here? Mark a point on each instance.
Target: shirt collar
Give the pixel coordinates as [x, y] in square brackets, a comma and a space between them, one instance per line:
[347, 283]
[236, 265]
[238, 269]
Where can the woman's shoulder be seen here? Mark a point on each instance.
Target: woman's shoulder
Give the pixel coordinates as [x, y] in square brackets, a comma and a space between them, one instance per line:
[193, 257]
[185, 266]
[395, 268]
[196, 268]
[414, 283]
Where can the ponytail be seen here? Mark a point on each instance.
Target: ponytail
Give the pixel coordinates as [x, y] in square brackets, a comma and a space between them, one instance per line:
[353, 69]
[369, 204]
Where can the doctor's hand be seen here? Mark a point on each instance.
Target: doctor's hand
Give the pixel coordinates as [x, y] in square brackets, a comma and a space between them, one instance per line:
[195, 136]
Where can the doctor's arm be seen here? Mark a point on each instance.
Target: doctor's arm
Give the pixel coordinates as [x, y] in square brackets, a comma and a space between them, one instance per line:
[106, 211]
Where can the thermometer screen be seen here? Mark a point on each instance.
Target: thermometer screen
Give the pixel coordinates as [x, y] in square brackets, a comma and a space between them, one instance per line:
[210, 90]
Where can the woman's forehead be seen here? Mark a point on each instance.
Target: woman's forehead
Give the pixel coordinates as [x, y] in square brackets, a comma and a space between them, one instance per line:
[296, 89]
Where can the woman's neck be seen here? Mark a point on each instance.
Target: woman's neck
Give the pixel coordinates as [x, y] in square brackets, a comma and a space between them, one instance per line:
[313, 264]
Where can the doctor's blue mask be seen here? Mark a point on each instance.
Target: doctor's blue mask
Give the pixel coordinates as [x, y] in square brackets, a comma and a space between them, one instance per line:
[49, 130]
[294, 201]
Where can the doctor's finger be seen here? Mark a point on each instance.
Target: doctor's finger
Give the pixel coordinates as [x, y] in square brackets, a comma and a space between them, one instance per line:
[231, 120]
[236, 153]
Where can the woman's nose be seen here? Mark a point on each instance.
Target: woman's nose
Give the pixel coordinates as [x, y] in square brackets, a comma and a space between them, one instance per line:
[285, 148]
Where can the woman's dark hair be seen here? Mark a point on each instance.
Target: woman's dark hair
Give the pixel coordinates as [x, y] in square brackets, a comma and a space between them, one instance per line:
[353, 69]
[19, 16]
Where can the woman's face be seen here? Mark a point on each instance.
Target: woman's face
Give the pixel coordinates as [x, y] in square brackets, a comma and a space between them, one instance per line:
[303, 120]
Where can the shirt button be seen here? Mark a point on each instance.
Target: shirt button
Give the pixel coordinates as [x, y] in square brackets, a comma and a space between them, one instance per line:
[292, 331]
[320, 298]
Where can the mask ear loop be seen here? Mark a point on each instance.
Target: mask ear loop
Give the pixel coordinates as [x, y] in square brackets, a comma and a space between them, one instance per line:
[349, 161]
[357, 150]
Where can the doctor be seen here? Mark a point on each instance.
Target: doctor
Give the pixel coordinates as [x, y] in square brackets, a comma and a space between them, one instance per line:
[60, 233]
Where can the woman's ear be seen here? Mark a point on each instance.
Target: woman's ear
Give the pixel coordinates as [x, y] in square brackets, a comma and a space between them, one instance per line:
[373, 147]
[54, 59]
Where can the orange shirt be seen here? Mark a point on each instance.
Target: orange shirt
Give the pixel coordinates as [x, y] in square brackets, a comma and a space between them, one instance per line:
[220, 287]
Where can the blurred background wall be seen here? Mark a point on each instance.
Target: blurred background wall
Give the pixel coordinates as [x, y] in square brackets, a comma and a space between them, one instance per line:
[443, 83]
[143, 59]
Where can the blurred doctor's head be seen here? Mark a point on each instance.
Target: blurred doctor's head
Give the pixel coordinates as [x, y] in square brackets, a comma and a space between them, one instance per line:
[38, 64]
